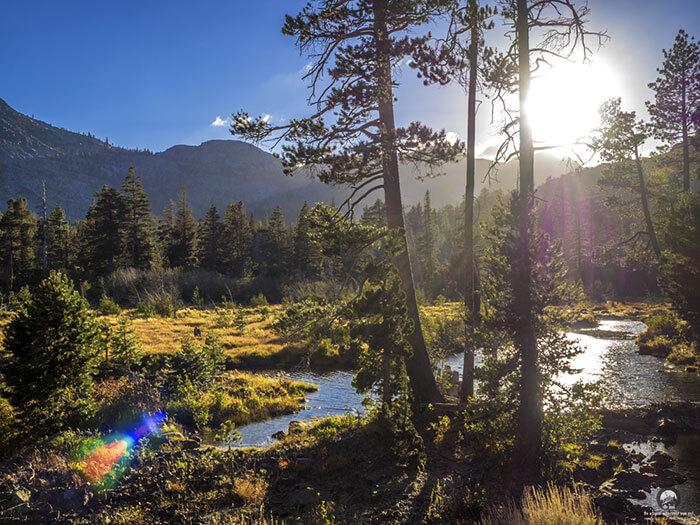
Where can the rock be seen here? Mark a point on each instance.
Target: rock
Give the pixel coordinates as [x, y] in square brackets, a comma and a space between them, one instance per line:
[189, 444]
[667, 428]
[303, 497]
[21, 496]
[278, 435]
[295, 427]
[661, 459]
[72, 500]
[303, 463]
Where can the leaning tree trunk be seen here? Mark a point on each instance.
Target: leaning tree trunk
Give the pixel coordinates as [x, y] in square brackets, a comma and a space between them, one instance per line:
[470, 303]
[529, 424]
[644, 194]
[419, 369]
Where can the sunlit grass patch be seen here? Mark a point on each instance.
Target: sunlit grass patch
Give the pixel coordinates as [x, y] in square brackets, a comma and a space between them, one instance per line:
[545, 506]
[241, 398]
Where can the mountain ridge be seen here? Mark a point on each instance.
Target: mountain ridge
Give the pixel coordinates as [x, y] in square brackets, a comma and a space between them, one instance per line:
[218, 171]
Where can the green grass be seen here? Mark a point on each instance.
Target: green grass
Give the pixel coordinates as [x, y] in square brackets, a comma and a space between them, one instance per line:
[241, 398]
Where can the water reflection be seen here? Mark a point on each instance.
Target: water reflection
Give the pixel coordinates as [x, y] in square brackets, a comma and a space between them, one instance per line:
[335, 396]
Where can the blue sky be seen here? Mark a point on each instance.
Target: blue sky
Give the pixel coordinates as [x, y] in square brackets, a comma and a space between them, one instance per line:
[154, 74]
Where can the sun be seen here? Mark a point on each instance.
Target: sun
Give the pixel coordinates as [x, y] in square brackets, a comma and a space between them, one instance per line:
[564, 101]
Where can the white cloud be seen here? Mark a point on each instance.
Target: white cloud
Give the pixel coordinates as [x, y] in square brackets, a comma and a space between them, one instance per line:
[220, 122]
[452, 137]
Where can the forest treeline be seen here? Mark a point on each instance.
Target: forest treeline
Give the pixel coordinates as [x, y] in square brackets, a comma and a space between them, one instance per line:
[122, 249]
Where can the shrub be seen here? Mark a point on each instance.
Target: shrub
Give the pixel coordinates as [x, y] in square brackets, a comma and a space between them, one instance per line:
[259, 300]
[124, 345]
[165, 305]
[553, 504]
[145, 309]
[108, 307]
[54, 344]
[190, 405]
[199, 362]
[123, 402]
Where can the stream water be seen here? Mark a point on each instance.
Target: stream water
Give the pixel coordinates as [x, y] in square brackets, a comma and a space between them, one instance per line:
[609, 354]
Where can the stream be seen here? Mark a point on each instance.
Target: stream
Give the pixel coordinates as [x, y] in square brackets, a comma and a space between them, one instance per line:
[610, 354]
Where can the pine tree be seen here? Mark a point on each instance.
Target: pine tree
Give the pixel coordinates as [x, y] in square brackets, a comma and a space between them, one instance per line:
[183, 245]
[236, 241]
[426, 246]
[166, 226]
[618, 140]
[277, 246]
[677, 98]
[105, 222]
[306, 250]
[18, 228]
[352, 138]
[58, 240]
[210, 241]
[54, 343]
[124, 344]
[138, 229]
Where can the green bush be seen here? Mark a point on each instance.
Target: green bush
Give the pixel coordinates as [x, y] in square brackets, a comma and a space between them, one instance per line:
[108, 307]
[54, 342]
[198, 362]
[259, 300]
[124, 345]
[121, 403]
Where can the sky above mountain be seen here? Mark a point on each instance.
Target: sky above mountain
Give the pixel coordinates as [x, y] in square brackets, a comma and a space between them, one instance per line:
[154, 74]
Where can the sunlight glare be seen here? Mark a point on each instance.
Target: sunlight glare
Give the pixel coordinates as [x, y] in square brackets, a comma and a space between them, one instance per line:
[565, 99]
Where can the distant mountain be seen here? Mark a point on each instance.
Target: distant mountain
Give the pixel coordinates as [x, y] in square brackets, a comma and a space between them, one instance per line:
[75, 166]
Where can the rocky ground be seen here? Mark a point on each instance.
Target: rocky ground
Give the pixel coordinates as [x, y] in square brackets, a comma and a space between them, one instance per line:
[337, 470]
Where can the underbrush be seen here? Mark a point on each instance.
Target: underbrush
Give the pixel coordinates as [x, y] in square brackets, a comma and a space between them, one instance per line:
[238, 397]
[546, 506]
[668, 336]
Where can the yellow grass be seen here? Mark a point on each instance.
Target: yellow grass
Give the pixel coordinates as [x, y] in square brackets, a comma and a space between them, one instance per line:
[161, 335]
[549, 506]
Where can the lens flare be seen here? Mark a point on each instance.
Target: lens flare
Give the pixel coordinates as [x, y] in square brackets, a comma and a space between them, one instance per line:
[106, 460]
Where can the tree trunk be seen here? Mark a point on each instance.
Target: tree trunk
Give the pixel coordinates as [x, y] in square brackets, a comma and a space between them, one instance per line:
[645, 207]
[686, 153]
[470, 303]
[419, 369]
[529, 434]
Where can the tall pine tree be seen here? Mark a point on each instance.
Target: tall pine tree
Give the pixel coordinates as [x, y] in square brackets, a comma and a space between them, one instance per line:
[210, 240]
[18, 228]
[182, 251]
[236, 241]
[677, 98]
[138, 239]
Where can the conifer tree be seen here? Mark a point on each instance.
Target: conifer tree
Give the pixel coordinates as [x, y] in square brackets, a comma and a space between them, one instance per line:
[677, 98]
[138, 236]
[618, 140]
[182, 250]
[58, 240]
[427, 246]
[18, 227]
[124, 344]
[352, 137]
[277, 245]
[306, 250]
[54, 344]
[166, 225]
[236, 241]
[210, 240]
[105, 223]
[558, 29]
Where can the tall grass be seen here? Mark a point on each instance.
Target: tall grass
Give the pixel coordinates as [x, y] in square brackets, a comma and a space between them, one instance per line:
[549, 506]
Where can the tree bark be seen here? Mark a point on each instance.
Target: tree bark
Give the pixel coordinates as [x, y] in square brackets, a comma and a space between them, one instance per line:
[686, 153]
[529, 435]
[645, 207]
[419, 369]
[470, 303]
